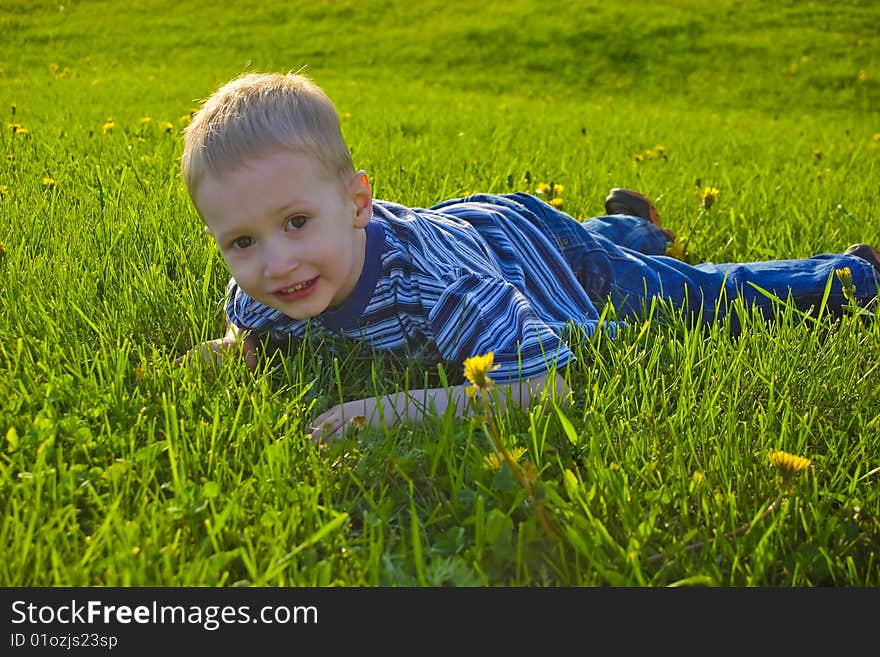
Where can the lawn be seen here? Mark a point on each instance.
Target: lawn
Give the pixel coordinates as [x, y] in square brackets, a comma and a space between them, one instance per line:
[119, 468]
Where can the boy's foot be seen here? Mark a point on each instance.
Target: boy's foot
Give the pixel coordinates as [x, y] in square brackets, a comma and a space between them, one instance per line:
[633, 204]
[865, 252]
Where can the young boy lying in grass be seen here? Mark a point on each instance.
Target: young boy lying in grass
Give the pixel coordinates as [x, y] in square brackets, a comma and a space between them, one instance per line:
[309, 247]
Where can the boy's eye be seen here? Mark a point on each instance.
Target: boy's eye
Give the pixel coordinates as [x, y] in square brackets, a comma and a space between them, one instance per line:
[242, 242]
[295, 223]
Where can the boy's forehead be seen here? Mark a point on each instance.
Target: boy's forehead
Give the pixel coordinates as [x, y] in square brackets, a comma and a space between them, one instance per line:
[266, 174]
[301, 158]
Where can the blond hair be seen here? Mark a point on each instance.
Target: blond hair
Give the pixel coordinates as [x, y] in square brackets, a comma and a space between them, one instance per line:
[257, 113]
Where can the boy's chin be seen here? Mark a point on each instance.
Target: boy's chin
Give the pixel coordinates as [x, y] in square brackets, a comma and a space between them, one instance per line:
[299, 314]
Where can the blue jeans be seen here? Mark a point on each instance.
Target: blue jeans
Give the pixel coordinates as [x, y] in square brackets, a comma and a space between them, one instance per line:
[621, 259]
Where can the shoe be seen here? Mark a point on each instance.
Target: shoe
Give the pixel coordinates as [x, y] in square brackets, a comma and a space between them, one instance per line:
[633, 204]
[865, 252]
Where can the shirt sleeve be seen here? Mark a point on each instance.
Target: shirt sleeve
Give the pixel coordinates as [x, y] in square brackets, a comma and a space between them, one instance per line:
[478, 314]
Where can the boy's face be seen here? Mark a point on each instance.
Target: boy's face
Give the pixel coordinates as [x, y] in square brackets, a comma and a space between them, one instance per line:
[291, 234]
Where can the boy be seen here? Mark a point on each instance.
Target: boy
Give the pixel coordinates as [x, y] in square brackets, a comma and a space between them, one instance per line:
[308, 247]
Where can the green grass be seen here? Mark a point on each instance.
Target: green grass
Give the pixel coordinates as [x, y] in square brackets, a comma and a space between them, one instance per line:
[119, 468]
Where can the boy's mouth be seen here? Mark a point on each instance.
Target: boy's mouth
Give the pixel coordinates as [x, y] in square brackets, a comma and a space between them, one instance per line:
[296, 291]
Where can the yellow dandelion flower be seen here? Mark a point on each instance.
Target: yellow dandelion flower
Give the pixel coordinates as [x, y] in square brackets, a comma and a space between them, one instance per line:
[788, 464]
[358, 422]
[146, 119]
[167, 126]
[48, 182]
[710, 195]
[10, 156]
[345, 115]
[639, 158]
[107, 127]
[556, 202]
[877, 136]
[551, 190]
[2, 250]
[3, 189]
[17, 128]
[477, 368]
[493, 461]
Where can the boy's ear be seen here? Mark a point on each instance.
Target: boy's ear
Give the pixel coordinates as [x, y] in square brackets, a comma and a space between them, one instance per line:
[362, 198]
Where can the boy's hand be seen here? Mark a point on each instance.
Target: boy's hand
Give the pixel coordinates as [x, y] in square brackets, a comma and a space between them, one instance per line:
[332, 424]
[214, 351]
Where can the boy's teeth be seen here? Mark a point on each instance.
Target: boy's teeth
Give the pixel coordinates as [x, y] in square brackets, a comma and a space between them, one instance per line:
[296, 287]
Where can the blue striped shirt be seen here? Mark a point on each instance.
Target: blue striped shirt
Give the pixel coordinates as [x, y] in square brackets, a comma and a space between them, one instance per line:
[462, 278]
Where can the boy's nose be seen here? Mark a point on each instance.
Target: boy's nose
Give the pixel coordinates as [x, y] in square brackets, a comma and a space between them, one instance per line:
[279, 260]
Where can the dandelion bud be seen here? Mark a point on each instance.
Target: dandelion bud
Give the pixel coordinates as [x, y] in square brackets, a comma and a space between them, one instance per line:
[710, 195]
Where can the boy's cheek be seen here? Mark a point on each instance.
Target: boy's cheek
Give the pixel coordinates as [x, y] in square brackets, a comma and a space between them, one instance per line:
[242, 275]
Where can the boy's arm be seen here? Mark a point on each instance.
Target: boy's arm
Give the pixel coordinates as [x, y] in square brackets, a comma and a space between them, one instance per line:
[213, 351]
[416, 405]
